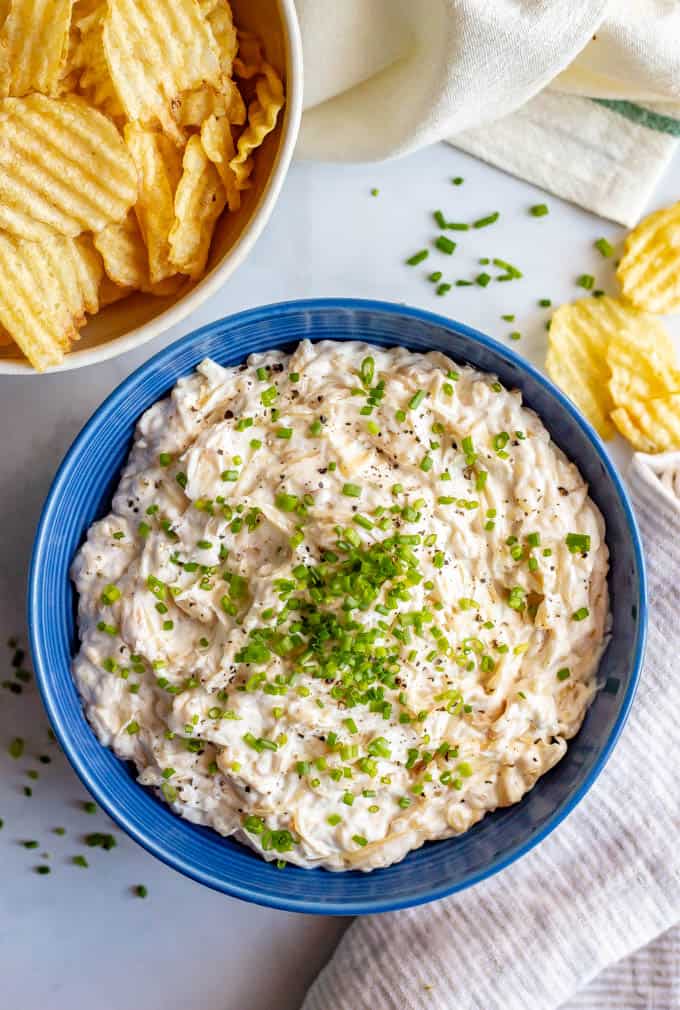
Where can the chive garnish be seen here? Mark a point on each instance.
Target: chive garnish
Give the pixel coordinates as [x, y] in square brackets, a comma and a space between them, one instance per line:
[604, 247]
[483, 222]
[445, 245]
[586, 281]
[417, 258]
[539, 210]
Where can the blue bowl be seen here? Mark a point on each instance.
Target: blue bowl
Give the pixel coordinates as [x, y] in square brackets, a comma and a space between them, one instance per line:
[81, 493]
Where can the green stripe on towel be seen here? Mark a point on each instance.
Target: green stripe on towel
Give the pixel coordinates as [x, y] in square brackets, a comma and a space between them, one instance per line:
[643, 117]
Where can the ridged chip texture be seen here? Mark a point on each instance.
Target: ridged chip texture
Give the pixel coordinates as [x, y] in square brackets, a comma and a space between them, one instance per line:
[159, 167]
[649, 271]
[89, 62]
[218, 144]
[650, 425]
[642, 362]
[262, 115]
[64, 168]
[577, 355]
[124, 253]
[219, 17]
[157, 49]
[34, 43]
[199, 201]
[45, 290]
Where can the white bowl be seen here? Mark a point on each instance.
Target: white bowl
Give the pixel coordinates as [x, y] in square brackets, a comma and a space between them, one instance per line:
[139, 318]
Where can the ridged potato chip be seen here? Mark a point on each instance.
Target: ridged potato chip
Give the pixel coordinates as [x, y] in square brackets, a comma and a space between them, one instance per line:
[249, 59]
[45, 290]
[262, 115]
[63, 168]
[218, 144]
[649, 271]
[650, 425]
[577, 355]
[34, 43]
[123, 251]
[78, 268]
[156, 50]
[110, 292]
[89, 63]
[199, 201]
[642, 362]
[159, 167]
[219, 17]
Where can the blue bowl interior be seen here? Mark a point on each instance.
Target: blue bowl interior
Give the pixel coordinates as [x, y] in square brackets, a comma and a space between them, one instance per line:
[82, 492]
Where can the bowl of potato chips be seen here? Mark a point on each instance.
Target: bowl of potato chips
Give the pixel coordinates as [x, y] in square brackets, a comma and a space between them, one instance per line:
[143, 145]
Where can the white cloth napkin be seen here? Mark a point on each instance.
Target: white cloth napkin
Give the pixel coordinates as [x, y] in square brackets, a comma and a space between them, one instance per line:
[581, 97]
[603, 885]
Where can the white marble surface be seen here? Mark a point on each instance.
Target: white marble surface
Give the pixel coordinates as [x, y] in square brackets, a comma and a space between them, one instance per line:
[77, 939]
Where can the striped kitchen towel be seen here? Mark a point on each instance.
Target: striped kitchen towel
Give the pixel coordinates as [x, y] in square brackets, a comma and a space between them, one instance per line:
[581, 97]
[561, 927]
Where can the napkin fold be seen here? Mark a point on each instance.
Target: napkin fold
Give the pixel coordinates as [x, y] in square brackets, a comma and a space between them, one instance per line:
[602, 886]
[581, 97]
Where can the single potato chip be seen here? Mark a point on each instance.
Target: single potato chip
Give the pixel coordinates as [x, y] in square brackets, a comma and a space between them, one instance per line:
[122, 248]
[650, 425]
[249, 60]
[63, 168]
[642, 362]
[218, 144]
[110, 292]
[219, 17]
[649, 271]
[42, 303]
[156, 50]
[577, 354]
[159, 167]
[262, 115]
[199, 201]
[34, 43]
[89, 63]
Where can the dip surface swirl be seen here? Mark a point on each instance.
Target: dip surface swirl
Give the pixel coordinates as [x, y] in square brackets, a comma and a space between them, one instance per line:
[347, 601]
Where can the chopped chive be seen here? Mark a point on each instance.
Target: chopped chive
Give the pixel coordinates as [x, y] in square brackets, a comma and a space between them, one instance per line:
[539, 210]
[483, 222]
[457, 181]
[374, 191]
[417, 399]
[578, 543]
[445, 245]
[439, 218]
[509, 318]
[436, 276]
[458, 226]
[512, 271]
[141, 891]
[417, 258]
[482, 279]
[351, 490]
[464, 284]
[443, 289]
[43, 870]
[80, 861]
[580, 614]
[515, 335]
[604, 247]
[89, 807]
[544, 303]
[16, 748]
[165, 459]
[586, 281]
[563, 673]
[284, 433]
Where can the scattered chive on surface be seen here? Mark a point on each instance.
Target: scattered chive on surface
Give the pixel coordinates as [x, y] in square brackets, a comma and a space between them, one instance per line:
[539, 210]
[445, 245]
[417, 258]
[586, 281]
[604, 247]
[484, 222]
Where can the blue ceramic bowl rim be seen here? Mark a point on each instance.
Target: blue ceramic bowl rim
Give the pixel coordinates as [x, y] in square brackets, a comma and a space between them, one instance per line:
[233, 888]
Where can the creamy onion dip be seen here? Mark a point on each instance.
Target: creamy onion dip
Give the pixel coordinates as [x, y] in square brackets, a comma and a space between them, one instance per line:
[346, 601]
